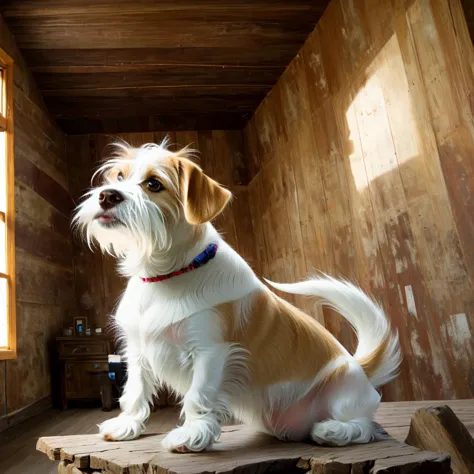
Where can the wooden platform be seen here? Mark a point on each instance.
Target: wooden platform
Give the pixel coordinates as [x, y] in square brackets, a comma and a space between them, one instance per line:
[242, 450]
[17, 444]
[239, 447]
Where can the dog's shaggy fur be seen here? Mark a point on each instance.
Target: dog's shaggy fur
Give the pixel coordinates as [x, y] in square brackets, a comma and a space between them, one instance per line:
[218, 335]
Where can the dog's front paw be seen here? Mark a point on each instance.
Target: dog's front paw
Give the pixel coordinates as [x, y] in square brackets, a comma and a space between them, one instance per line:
[198, 435]
[121, 428]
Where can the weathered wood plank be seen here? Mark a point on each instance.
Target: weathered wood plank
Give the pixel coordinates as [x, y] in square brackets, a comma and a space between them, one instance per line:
[243, 225]
[35, 208]
[280, 11]
[294, 93]
[228, 153]
[44, 60]
[32, 143]
[314, 217]
[44, 185]
[38, 115]
[28, 378]
[439, 429]
[155, 76]
[179, 29]
[393, 226]
[42, 283]
[150, 123]
[42, 243]
[253, 156]
[256, 213]
[261, 452]
[153, 102]
[335, 183]
[275, 222]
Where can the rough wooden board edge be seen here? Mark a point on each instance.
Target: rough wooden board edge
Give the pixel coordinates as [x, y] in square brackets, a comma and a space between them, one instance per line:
[417, 462]
[390, 456]
[438, 464]
[405, 464]
[79, 460]
[52, 453]
[66, 468]
[439, 429]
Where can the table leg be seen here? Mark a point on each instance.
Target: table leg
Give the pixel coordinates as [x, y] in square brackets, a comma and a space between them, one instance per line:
[106, 392]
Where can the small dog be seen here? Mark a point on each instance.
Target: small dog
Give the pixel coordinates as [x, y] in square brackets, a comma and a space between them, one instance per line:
[195, 317]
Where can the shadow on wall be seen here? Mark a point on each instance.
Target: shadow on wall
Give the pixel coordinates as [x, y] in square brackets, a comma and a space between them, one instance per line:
[414, 249]
[362, 165]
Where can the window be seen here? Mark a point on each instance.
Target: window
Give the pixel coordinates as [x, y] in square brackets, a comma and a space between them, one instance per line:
[7, 213]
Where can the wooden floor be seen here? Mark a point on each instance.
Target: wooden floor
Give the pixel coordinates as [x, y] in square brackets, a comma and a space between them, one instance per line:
[17, 444]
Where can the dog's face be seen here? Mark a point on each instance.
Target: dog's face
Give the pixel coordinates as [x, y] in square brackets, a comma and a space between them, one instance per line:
[146, 196]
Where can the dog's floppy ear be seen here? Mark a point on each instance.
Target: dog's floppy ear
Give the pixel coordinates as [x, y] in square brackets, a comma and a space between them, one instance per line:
[203, 198]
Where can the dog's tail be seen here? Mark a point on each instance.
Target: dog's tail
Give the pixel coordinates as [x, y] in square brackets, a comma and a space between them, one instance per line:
[378, 349]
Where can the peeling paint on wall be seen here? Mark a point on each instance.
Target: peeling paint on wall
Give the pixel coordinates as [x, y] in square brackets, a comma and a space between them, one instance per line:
[410, 301]
[400, 294]
[456, 330]
[401, 265]
[415, 345]
[412, 250]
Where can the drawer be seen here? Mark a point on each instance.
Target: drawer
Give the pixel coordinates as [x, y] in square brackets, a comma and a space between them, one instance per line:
[83, 349]
[82, 378]
[86, 367]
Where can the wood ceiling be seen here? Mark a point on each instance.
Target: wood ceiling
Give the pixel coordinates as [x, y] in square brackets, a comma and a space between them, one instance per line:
[132, 65]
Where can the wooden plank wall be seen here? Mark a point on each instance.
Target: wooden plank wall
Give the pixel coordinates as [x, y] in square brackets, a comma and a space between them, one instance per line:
[98, 286]
[43, 245]
[362, 165]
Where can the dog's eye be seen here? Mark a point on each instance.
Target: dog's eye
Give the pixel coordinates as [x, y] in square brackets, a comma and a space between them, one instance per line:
[154, 185]
[120, 176]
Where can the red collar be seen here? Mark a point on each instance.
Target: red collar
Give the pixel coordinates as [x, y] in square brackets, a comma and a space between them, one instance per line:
[199, 261]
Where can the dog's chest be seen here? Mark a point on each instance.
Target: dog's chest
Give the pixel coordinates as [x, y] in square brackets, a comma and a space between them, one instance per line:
[144, 312]
[147, 326]
[144, 323]
[170, 362]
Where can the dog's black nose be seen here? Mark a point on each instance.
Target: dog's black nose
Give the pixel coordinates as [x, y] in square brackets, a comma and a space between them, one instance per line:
[109, 199]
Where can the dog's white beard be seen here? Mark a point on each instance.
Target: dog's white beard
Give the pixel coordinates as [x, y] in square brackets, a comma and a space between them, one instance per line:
[141, 238]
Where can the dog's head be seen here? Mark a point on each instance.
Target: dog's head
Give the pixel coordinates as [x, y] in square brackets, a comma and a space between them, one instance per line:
[147, 198]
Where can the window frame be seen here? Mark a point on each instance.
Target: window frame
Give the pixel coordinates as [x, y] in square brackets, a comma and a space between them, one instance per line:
[6, 125]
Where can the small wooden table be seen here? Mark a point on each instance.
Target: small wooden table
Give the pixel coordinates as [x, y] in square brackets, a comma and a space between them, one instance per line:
[240, 449]
[81, 361]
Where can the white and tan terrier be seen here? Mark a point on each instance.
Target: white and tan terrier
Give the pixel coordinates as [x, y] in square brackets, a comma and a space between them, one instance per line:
[196, 317]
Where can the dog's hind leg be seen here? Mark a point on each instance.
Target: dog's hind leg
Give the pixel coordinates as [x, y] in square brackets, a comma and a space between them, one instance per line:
[352, 403]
